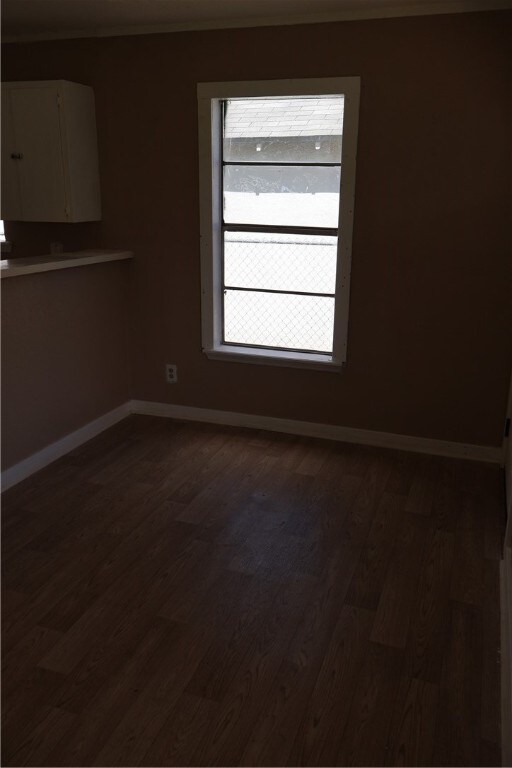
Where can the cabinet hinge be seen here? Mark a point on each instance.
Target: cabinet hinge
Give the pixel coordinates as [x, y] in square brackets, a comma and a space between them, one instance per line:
[58, 100]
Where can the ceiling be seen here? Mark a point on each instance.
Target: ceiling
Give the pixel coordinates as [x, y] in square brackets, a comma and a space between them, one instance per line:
[51, 19]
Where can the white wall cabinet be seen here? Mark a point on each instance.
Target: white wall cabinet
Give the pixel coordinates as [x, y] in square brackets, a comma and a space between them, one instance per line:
[49, 152]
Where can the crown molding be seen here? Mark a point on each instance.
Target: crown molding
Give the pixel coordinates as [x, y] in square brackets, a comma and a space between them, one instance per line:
[392, 10]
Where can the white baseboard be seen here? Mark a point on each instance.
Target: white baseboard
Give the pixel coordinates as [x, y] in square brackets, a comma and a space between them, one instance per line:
[506, 656]
[326, 431]
[45, 456]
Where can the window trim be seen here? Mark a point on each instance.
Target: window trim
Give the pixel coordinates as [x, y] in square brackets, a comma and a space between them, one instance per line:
[210, 96]
[5, 244]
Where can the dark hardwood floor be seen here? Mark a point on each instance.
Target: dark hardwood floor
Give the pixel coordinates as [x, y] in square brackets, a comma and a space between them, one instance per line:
[183, 594]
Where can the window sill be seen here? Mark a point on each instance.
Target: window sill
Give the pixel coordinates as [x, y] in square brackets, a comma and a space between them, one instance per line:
[257, 356]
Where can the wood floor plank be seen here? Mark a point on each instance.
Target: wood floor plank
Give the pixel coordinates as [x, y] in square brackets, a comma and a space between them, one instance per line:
[403, 472]
[365, 737]
[362, 510]
[53, 590]
[106, 648]
[428, 631]
[52, 512]
[458, 729]
[37, 490]
[234, 504]
[106, 513]
[468, 566]
[12, 600]
[446, 506]
[366, 586]
[204, 594]
[322, 517]
[319, 730]
[113, 698]
[212, 494]
[18, 570]
[34, 749]
[413, 727]
[422, 491]
[224, 742]
[191, 594]
[210, 469]
[490, 754]
[399, 590]
[123, 553]
[106, 613]
[138, 728]
[26, 655]
[242, 615]
[22, 712]
[491, 669]
[494, 524]
[354, 460]
[285, 706]
[314, 460]
[177, 739]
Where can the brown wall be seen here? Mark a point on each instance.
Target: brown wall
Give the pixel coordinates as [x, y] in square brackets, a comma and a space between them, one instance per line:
[64, 354]
[430, 319]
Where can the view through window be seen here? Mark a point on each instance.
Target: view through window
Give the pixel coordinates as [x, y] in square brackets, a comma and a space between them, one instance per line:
[281, 160]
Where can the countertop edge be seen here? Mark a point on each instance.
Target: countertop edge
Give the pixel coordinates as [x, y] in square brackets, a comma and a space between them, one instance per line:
[50, 264]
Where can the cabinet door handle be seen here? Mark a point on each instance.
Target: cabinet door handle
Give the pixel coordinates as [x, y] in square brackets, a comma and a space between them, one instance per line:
[16, 156]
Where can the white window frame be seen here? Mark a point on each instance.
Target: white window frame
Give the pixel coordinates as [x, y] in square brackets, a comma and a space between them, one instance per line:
[210, 97]
[5, 245]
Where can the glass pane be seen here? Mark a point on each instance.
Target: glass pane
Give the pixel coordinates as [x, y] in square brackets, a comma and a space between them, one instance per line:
[285, 195]
[306, 130]
[280, 262]
[279, 320]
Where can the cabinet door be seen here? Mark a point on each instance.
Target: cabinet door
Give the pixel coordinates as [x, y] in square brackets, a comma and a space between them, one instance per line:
[11, 199]
[36, 123]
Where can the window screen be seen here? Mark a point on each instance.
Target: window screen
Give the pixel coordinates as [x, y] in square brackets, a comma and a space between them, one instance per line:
[281, 162]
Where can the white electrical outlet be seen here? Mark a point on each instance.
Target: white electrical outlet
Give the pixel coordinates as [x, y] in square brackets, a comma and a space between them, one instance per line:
[171, 373]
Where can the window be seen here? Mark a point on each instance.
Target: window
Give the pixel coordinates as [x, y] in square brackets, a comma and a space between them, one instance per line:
[5, 245]
[277, 173]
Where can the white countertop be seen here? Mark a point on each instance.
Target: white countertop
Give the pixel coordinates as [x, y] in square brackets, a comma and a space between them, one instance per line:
[29, 266]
